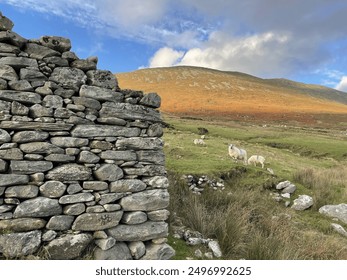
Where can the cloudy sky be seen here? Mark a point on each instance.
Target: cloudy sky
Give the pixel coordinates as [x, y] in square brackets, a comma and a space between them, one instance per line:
[302, 40]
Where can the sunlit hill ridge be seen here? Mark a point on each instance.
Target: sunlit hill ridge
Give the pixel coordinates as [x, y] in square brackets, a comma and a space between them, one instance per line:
[195, 91]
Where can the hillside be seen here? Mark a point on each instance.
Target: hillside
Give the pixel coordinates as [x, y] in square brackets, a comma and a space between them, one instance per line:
[195, 91]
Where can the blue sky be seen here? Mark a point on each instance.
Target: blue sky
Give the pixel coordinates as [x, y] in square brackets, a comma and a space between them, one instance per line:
[300, 40]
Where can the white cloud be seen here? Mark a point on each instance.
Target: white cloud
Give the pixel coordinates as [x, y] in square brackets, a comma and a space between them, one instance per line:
[165, 57]
[262, 54]
[342, 85]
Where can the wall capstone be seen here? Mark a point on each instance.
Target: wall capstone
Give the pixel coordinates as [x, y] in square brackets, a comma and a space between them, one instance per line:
[81, 161]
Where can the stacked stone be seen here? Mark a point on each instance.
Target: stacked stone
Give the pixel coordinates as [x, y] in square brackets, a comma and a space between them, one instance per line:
[81, 161]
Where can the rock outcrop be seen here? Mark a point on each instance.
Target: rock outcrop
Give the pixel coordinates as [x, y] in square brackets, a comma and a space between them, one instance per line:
[81, 161]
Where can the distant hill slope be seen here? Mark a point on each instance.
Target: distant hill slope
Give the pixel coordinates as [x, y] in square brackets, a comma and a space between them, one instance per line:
[189, 90]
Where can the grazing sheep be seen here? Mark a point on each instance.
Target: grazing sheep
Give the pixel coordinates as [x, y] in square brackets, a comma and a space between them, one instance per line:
[256, 159]
[237, 153]
[199, 142]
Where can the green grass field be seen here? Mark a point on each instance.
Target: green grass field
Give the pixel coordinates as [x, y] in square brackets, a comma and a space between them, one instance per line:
[315, 160]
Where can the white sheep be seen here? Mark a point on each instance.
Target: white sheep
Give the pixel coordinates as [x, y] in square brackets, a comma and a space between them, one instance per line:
[199, 142]
[256, 159]
[237, 153]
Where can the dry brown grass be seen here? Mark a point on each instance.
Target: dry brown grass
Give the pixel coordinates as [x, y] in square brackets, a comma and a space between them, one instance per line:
[248, 224]
[204, 92]
[329, 186]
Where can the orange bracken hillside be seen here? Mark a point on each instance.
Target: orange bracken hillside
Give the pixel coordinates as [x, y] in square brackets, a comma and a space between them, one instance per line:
[194, 91]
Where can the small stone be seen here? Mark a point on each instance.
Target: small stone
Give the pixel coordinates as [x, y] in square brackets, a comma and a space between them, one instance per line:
[105, 244]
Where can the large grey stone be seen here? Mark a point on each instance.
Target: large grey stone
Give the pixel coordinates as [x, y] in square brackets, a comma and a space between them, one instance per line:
[69, 172]
[18, 62]
[57, 43]
[87, 102]
[24, 191]
[29, 167]
[133, 218]
[97, 221]
[5, 23]
[303, 202]
[142, 232]
[3, 165]
[76, 198]
[119, 251]
[148, 170]
[137, 249]
[146, 201]
[53, 101]
[104, 131]
[29, 136]
[109, 172]
[19, 109]
[83, 64]
[13, 179]
[52, 189]
[74, 209]
[10, 49]
[57, 61]
[8, 73]
[158, 252]
[68, 78]
[69, 142]
[88, 157]
[158, 215]
[156, 157]
[38, 111]
[105, 243]
[339, 229]
[127, 185]
[129, 112]
[16, 245]
[23, 125]
[138, 143]
[25, 97]
[32, 75]
[41, 148]
[22, 224]
[112, 120]
[69, 246]
[39, 52]
[155, 130]
[101, 94]
[12, 38]
[38, 207]
[95, 185]
[335, 211]
[11, 154]
[108, 198]
[119, 155]
[151, 99]
[60, 158]
[157, 182]
[101, 145]
[60, 222]
[102, 78]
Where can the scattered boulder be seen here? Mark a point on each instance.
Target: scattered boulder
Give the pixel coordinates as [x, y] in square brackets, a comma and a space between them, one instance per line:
[335, 211]
[303, 202]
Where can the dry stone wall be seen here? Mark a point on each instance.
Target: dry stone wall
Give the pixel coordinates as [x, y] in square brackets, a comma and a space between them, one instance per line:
[81, 161]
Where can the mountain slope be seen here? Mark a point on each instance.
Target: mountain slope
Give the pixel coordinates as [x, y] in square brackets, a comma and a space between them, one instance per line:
[198, 91]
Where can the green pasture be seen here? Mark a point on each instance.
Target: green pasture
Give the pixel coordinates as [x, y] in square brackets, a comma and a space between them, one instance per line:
[285, 149]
